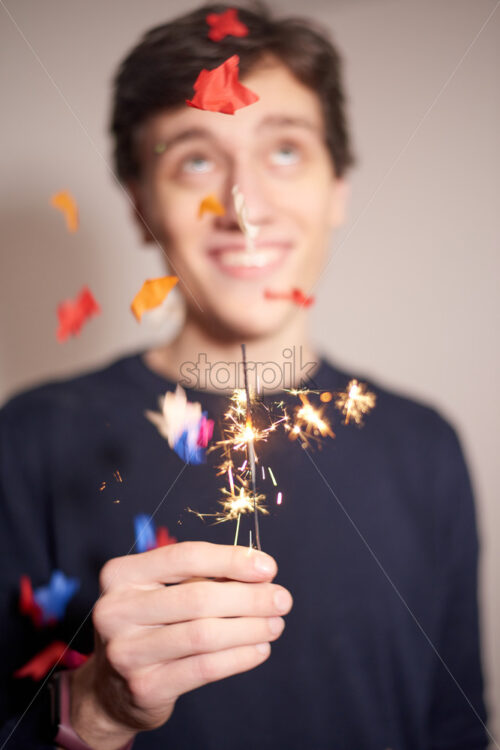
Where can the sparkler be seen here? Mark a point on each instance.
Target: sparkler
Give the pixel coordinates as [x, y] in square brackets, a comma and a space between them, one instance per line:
[306, 422]
[355, 402]
[250, 444]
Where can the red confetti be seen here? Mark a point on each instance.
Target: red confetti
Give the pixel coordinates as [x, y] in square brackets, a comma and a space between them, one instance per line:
[225, 24]
[56, 653]
[296, 296]
[163, 538]
[73, 314]
[219, 90]
[27, 603]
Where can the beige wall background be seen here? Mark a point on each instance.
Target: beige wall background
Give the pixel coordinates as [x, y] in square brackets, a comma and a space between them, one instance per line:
[410, 296]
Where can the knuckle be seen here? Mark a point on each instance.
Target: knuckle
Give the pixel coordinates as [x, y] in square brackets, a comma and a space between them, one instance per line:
[207, 668]
[200, 636]
[107, 573]
[140, 686]
[119, 655]
[101, 616]
[263, 598]
[194, 599]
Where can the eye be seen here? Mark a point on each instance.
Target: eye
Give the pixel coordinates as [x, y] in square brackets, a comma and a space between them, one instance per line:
[197, 164]
[285, 155]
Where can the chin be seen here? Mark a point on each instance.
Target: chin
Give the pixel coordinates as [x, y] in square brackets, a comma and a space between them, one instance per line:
[244, 323]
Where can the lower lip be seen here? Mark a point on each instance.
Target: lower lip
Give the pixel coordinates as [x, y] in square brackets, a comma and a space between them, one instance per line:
[251, 272]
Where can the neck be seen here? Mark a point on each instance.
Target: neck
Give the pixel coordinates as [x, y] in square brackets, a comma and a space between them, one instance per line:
[198, 359]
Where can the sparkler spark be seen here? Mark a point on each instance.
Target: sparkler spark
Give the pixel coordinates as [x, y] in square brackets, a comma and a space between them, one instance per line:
[309, 422]
[355, 402]
[238, 503]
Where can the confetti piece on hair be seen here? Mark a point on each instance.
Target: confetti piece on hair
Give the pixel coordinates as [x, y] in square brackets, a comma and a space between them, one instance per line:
[219, 90]
[183, 424]
[65, 202]
[72, 314]
[295, 295]
[56, 653]
[151, 294]
[211, 204]
[225, 24]
[47, 604]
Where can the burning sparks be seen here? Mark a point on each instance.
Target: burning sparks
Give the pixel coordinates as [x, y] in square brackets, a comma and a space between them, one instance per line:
[244, 428]
[236, 503]
[355, 402]
[309, 422]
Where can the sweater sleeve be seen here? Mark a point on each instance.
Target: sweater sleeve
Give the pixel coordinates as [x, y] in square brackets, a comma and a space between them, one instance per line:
[458, 714]
[24, 549]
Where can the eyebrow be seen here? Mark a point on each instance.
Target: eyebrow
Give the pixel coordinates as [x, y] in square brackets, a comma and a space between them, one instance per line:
[165, 145]
[282, 120]
[185, 135]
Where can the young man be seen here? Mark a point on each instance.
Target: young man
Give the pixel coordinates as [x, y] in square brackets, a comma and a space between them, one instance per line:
[376, 541]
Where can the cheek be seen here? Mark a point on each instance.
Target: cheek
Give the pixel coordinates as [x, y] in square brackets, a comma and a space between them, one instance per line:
[175, 214]
[307, 203]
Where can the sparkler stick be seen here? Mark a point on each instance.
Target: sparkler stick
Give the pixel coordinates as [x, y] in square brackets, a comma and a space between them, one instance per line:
[237, 530]
[251, 451]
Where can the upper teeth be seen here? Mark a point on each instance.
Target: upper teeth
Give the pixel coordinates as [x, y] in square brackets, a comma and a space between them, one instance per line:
[255, 259]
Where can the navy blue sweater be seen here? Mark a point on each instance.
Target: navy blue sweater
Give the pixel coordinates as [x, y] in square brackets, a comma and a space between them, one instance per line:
[375, 538]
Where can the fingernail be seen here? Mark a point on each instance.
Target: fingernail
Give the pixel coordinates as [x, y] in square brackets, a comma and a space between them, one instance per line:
[263, 564]
[276, 625]
[282, 600]
[263, 648]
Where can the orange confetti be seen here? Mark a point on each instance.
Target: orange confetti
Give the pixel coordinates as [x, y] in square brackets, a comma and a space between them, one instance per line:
[65, 202]
[152, 294]
[326, 397]
[211, 203]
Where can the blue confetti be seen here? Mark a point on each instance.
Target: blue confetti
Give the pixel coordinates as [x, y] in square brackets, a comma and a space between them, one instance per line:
[145, 536]
[53, 598]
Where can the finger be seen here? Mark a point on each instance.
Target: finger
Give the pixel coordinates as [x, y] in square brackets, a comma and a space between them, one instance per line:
[192, 601]
[165, 683]
[165, 644]
[178, 562]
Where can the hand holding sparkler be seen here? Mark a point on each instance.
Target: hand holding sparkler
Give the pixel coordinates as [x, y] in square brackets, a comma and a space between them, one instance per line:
[155, 642]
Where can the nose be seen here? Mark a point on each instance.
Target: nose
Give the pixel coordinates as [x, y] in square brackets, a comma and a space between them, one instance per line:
[252, 187]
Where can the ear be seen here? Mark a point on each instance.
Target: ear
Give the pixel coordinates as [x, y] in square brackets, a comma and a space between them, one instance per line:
[340, 192]
[138, 204]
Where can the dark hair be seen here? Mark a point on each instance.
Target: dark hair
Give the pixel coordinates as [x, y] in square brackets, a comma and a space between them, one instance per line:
[160, 71]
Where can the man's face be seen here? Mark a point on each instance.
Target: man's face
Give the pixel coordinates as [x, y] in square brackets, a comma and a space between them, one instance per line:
[275, 151]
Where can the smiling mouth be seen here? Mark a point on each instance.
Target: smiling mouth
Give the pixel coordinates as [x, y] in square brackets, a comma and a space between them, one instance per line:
[235, 260]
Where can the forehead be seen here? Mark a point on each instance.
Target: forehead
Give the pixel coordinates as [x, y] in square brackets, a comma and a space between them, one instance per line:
[283, 101]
